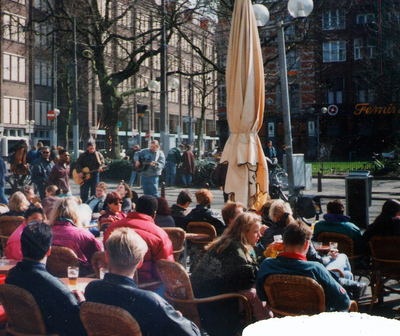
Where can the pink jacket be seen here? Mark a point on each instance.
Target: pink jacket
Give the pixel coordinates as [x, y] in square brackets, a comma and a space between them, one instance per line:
[13, 247]
[80, 240]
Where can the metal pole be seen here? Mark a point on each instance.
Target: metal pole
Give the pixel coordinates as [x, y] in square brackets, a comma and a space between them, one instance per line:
[318, 140]
[75, 116]
[163, 96]
[189, 112]
[285, 105]
[54, 87]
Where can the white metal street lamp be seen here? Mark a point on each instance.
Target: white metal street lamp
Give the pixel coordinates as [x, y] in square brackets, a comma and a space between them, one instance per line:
[297, 9]
[154, 85]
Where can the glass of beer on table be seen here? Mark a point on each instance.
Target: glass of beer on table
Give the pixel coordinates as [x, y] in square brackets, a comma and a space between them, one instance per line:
[73, 274]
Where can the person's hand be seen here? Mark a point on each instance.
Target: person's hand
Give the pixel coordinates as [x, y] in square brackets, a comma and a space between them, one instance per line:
[333, 254]
[221, 188]
[100, 170]
[80, 175]
[79, 295]
[137, 163]
[153, 164]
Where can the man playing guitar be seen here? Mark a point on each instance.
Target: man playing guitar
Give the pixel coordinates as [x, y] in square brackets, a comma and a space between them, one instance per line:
[94, 161]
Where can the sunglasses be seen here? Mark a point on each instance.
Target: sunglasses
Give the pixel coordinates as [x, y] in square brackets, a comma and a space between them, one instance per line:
[46, 152]
[116, 203]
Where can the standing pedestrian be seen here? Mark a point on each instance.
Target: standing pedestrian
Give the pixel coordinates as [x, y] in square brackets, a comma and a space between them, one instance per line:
[151, 161]
[188, 166]
[173, 159]
[3, 170]
[92, 161]
[59, 175]
[136, 149]
[41, 171]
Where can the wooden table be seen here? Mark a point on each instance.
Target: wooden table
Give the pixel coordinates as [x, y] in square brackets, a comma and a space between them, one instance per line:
[10, 264]
[82, 283]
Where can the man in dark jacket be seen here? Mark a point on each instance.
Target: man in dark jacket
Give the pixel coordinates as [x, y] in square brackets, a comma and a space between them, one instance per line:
[125, 251]
[202, 214]
[179, 210]
[172, 160]
[41, 171]
[59, 307]
[93, 161]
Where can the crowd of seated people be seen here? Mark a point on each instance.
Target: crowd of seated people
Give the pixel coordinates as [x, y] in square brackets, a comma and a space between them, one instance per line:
[234, 262]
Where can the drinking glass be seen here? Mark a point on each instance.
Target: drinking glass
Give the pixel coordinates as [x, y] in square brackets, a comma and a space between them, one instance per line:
[73, 273]
[333, 246]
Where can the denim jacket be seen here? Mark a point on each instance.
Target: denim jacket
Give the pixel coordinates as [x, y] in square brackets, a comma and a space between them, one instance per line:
[146, 155]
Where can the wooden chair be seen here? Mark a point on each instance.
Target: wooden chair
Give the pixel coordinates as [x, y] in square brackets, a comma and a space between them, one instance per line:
[99, 261]
[196, 248]
[105, 320]
[60, 258]
[179, 292]
[177, 237]
[8, 224]
[24, 315]
[346, 246]
[386, 265]
[293, 295]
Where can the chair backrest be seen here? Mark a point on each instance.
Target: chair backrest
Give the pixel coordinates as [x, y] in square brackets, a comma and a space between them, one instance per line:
[178, 288]
[8, 224]
[105, 320]
[99, 261]
[345, 243]
[59, 259]
[294, 295]
[385, 254]
[203, 228]
[177, 237]
[23, 313]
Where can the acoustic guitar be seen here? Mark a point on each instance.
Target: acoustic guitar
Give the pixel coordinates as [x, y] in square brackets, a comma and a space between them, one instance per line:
[142, 166]
[86, 174]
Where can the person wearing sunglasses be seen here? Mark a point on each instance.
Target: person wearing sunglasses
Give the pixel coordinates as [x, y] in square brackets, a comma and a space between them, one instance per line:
[114, 212]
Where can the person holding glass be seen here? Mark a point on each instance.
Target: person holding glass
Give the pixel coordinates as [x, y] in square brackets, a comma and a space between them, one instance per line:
[230, 266]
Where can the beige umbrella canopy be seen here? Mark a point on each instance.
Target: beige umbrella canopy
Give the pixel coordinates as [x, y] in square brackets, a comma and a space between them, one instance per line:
[247, 176]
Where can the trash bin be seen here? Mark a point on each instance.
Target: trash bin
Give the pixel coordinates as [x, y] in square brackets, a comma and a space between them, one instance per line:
[359, 197]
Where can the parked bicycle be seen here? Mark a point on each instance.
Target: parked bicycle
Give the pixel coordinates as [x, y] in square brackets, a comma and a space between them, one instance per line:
[205, 172]
[303, 206]
[384, 167]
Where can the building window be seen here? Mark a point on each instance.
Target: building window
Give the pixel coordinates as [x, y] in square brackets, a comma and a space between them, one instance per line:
[370, 51]
[292, 61]
[333, 19]
[43, 34]
[43, 73]
[365, 94]
[14, 68]
[334, 91]
[365, 18]
[334, 51]
[14, 28]
[14, 110]
[173, 124]
[41, 109]
[294, 95]
[358, 44]
[126, 19]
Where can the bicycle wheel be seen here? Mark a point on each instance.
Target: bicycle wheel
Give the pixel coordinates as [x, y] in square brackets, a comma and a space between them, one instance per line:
[282, 179]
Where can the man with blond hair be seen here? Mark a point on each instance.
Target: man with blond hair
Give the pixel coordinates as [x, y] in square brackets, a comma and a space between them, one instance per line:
[124, 253]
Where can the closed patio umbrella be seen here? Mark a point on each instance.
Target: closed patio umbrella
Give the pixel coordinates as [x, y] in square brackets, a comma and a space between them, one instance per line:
[247, 176]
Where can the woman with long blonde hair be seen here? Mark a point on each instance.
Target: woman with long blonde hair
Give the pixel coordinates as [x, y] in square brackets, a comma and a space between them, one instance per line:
[230, 266]
[68, 232]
